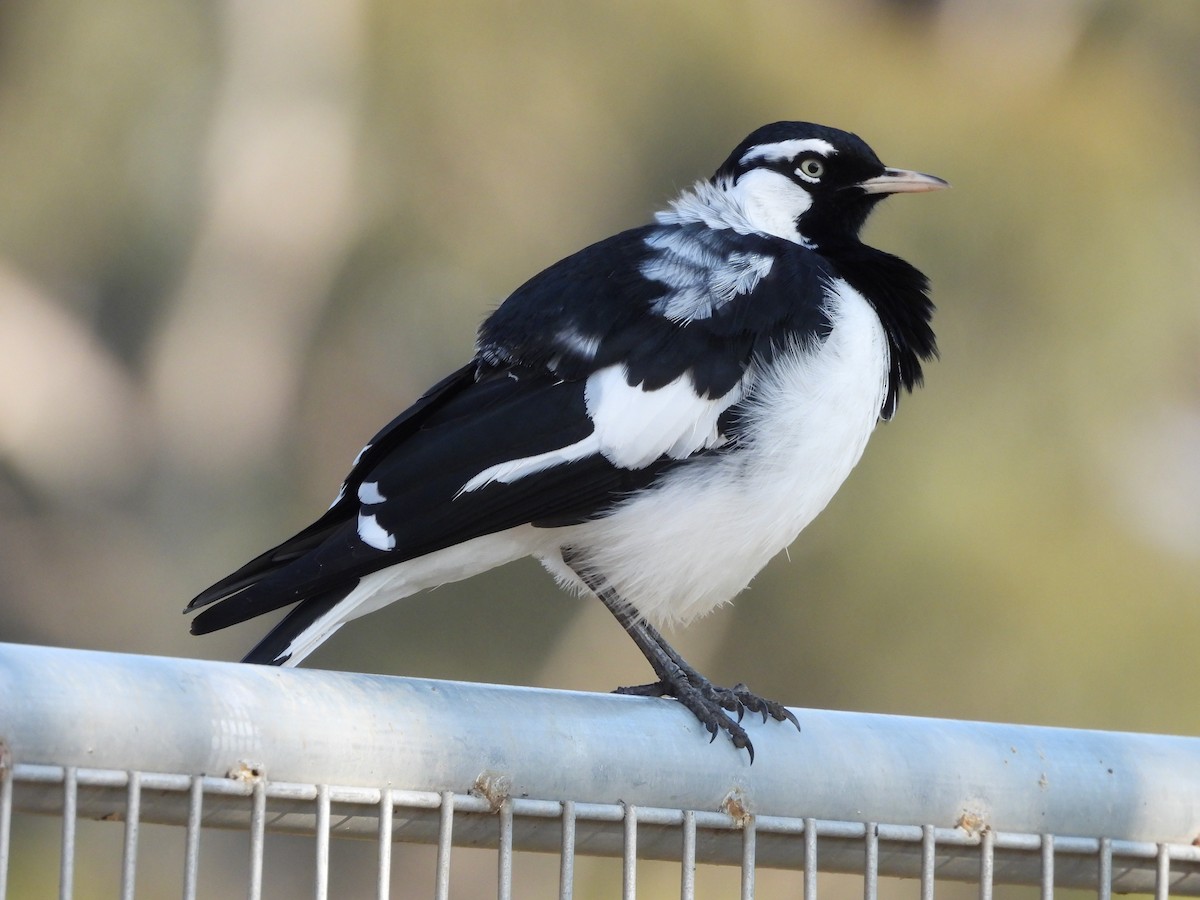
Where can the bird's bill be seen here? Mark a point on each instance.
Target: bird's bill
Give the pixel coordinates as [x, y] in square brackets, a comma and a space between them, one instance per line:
[902, 181]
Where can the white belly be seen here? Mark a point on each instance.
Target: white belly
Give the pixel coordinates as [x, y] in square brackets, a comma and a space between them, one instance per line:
[692, 543]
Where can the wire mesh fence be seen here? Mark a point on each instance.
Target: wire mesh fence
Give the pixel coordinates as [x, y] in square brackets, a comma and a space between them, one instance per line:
[216, 752]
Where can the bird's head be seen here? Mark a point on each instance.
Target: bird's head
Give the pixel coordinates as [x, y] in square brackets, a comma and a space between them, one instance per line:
[811, 184]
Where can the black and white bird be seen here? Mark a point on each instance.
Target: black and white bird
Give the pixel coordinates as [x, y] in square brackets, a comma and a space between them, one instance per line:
[653, 418]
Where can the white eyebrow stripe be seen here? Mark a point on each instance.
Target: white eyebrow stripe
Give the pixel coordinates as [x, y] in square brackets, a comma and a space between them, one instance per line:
[788, 149]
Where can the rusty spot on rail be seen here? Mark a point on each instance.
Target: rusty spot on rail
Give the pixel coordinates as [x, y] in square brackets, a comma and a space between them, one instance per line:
[735, 806]
[246, 772]
[971, 822]
[494, 787]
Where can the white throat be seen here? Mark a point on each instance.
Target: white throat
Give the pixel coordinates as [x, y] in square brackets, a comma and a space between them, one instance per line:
[761, 201]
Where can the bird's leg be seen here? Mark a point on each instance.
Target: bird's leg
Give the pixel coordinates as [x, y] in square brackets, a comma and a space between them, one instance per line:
[736, 699]
[678, 679]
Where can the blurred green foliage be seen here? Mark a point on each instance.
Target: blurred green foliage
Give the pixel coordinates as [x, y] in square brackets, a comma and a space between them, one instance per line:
[237, 238]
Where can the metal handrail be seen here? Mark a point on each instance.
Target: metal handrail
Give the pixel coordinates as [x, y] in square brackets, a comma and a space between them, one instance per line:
[233, 729]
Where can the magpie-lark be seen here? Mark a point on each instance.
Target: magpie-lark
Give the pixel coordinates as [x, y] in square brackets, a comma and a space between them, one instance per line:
[653, 418]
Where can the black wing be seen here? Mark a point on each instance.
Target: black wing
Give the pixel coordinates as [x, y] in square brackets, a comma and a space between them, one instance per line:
[415, 489]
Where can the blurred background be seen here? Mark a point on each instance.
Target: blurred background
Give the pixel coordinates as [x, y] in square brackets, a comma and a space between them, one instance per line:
[237, 237]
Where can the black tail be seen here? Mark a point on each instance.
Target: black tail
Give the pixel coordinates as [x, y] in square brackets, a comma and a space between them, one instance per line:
[272, 650]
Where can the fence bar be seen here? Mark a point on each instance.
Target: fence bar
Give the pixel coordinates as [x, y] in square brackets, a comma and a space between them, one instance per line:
[321, 879]
[1162, 879]
[191, 853]
[987, 863]
[258, 825]
[66, 872]
[955, 800]
[505, 862]
[6, 805]
[928, 860]
[918, 771]
[1104, 876]
[1047, 867]
[441, 890]
[133, 814]
[383, 884]
[871, 862]
[566, 853]
[687, 862]
[749, 839]
[629, 859]
[810, 859]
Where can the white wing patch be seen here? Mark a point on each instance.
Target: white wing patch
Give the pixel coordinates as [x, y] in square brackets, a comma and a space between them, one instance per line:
[632, 428]
[368, 492]
[373, 534]
[583, 345]
[699, 280]
[635, 426]
[516, 469]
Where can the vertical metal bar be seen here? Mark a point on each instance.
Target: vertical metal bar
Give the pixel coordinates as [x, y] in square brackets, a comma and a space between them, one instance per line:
[66, 870]
[749, 844]
[1162, 874]
[1104, 874]
[505, 867]
[629, 860]
[441, 890]
[383, 887]
[133, 815]
[871, 864]
[810, 859]
[566, 865]
[191, 854]
[321, 876]
[258, 827]
[987, 864]
[1047, 867]
[6, 805]
[928, 861]
[687, 862]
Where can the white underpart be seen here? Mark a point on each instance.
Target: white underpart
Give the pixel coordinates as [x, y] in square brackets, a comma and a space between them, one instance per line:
[693, 541]
[761, 201]
[378, 589]
[699, 281]
[632, 427]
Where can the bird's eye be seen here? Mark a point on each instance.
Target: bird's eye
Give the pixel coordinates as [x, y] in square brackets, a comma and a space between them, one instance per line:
[811, 169]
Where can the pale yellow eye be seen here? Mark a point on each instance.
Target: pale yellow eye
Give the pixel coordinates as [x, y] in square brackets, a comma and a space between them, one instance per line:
[811, 168]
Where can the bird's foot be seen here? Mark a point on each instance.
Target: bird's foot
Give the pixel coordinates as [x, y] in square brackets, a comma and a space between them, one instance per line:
[709, 704]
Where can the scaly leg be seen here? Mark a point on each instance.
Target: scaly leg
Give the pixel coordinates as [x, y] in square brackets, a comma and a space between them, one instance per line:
[677, 679]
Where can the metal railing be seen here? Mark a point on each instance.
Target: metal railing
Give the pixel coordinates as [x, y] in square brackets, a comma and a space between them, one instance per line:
[136, 740]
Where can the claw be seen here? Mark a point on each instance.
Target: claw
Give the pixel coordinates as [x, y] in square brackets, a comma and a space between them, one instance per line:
[710, 705]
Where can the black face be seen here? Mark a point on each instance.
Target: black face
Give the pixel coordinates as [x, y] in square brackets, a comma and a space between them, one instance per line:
[826, 163]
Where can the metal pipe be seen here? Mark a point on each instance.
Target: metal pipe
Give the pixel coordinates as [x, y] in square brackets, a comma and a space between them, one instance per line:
[104, 710]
